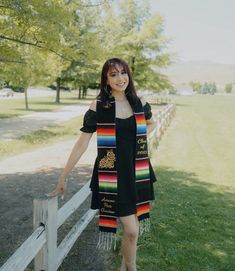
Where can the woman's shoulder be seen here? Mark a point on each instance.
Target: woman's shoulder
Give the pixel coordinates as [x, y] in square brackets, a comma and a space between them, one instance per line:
[93, 106]
[142, 99]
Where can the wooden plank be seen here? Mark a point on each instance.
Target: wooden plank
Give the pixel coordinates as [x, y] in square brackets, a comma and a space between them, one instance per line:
[72, 236]
[26, 252]
[45, 211]
[73, 204]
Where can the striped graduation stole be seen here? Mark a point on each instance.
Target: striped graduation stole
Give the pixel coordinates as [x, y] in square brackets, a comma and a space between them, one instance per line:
[107, 173]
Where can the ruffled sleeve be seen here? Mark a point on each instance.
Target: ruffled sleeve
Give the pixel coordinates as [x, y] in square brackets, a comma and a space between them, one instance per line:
[147, 111]
[89, 122]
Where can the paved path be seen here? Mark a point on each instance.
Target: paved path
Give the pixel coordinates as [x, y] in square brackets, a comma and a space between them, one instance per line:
[44, 158]
[11, 128]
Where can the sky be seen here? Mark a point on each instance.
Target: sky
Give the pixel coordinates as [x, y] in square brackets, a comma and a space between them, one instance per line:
[199, 29]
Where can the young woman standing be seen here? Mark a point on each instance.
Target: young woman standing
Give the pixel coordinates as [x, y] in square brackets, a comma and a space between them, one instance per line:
[122, 179]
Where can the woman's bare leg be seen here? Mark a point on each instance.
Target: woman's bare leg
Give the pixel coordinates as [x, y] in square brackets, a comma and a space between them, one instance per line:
[123, 266]
[129, 242]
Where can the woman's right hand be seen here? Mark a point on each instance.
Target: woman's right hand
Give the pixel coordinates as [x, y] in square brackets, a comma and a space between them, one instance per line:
[60, 188]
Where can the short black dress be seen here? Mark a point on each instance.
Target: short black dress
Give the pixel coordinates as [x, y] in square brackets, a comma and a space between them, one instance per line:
[126, 146]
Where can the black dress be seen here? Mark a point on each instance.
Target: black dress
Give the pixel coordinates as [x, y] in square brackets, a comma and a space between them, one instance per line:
[126, 144]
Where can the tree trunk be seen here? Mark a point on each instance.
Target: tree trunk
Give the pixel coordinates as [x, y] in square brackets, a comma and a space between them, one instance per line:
[26, 99]
[80, 93]
[84, 91]
[58, 81]
[133, 65]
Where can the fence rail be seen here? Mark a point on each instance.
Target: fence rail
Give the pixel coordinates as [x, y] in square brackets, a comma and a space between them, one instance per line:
[163, 119]
[42, 243]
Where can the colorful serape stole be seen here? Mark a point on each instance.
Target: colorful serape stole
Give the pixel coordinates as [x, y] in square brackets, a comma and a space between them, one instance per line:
[107, 173]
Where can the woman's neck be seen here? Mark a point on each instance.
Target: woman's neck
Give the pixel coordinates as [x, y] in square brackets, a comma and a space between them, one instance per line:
[119, 96]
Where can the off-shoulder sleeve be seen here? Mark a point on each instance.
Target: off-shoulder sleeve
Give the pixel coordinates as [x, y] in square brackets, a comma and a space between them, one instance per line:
[147, 111]
[89, 122]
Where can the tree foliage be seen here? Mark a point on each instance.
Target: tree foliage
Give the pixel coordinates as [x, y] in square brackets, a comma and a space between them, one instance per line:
[67, 42]
[228, 88]
[205, 88]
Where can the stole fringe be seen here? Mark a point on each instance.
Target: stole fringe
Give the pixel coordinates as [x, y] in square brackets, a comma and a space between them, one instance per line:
[144, 226]
[107, 240]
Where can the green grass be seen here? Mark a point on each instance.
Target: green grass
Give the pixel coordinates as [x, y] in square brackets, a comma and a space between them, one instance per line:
[201, 139]
[49, 135]
[193, 216]
[192, 228]
[16, 107]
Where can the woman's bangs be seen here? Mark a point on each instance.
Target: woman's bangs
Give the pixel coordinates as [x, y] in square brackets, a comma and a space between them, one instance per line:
[113, 66]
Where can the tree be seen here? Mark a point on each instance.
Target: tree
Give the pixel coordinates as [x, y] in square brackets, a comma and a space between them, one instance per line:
[196, 86]
[228, 88]
[67, 42]
[85, 72]
[132, 33]
[208, 88]
[34, 30]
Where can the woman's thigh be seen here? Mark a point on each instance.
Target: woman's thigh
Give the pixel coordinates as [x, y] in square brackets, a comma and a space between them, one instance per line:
[130, 223]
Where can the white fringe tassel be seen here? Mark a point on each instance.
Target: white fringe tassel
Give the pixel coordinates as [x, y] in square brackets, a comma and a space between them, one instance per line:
[144, 226]
[106, 240]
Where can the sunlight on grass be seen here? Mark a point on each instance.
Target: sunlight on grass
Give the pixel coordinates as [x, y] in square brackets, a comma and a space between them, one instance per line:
[201, 138]
[193, 215]
[52, 134]
[192, 228]
[16, 107]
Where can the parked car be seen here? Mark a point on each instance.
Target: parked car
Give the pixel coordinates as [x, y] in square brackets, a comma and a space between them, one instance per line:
[6, 92]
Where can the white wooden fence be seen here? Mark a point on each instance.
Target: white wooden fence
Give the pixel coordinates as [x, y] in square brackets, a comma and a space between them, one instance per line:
[42, 243]
[163, 119]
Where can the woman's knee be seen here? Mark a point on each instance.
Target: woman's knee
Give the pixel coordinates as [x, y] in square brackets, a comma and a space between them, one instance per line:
[130, 227]
[131, 233]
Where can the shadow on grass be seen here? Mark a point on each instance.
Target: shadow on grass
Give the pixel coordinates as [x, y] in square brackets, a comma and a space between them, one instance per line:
[6, 116]
[32, 110]
[192, 223]
[16, 211]
[181, 104]
[192, 227]
[54, 104]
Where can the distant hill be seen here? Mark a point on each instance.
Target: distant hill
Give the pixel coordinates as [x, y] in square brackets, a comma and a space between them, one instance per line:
[182, 73]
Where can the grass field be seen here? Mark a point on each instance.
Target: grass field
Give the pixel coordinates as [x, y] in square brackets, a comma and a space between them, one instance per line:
[16, 107]
[49, 135]
[63, 131]
[193, 216]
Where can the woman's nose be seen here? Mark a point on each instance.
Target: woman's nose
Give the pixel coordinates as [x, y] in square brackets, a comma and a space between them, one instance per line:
[120, 76]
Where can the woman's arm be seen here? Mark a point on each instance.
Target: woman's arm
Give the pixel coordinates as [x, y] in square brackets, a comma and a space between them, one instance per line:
[77, 151]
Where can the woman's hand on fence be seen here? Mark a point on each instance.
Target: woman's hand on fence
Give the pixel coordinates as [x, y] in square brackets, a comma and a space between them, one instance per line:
[60, 188]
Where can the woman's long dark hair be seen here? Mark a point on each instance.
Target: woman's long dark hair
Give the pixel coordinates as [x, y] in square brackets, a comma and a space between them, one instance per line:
[105, 90]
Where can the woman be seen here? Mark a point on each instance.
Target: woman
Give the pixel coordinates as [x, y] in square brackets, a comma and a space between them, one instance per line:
[122, 179]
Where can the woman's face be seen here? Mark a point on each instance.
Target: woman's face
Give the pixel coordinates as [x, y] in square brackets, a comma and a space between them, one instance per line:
[117, 78]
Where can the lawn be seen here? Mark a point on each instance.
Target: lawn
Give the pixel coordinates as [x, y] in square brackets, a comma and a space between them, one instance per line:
[49, 135]
[16, 107]
[193, 216]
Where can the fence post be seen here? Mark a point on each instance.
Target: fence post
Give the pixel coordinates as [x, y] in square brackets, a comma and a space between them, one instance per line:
[45, 213]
